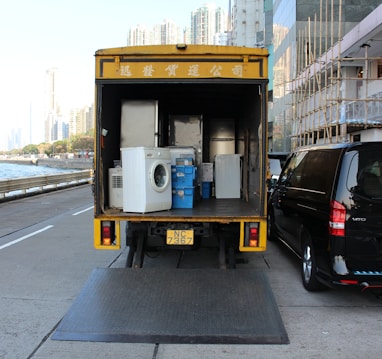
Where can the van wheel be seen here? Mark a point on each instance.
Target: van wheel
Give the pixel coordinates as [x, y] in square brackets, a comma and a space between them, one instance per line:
[308, 265]
[271, 227]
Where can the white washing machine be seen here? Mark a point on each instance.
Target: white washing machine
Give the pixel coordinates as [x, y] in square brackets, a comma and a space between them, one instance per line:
[146, 179]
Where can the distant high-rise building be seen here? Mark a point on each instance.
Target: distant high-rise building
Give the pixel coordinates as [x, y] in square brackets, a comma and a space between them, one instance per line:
[221, 21]
[14, 139]
[248, 23]
[209, 26]
[206, 22]
[139, 35]
[75, 126]
[54, 119]
[52, 90]
[89, 114]
[61, 123]
[171, 33]
[165, 33]
[65, 130]
[80, 120]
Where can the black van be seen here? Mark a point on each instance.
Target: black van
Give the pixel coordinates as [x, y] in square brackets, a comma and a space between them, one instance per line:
[327, 207]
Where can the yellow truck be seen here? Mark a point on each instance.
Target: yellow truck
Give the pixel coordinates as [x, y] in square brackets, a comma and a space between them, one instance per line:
[181, 149]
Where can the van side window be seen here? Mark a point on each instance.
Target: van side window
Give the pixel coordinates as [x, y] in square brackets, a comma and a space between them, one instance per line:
[352, 181]
[291, 174]
[312, 170]
[367, 170]
[319, 170]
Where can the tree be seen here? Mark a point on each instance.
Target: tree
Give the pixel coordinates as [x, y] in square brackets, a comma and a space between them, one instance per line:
[30, 149]
[60, 146]
[45, 148]
[82, 143]
[90, 132]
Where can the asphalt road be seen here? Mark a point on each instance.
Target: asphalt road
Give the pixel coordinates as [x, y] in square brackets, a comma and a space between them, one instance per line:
[46, 256]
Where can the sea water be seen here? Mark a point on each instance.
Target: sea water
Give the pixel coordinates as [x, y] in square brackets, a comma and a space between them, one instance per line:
[10, 170]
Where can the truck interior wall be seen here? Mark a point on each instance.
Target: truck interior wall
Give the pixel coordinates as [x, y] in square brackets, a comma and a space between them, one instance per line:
[108, 118]
[249, 124]
[255, 147]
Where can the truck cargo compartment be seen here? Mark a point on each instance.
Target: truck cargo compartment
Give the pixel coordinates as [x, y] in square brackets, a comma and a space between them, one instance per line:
[207, 105]
[206, 102]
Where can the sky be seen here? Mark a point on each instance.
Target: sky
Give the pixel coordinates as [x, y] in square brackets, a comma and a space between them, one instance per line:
[37, 35]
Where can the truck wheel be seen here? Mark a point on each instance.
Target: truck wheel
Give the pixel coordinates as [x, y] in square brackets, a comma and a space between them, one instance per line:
[129, 234]
[130, 256]
[222, 253]
[308, 265]
[231, 258]
[139, 252]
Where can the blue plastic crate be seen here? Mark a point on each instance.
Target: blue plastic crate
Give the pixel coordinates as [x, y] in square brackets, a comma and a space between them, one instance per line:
[183, 176]
[184, 161]
[183, 197]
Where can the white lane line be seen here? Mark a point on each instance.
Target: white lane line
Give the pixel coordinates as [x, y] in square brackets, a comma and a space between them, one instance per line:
[25, 237]
[84, 210]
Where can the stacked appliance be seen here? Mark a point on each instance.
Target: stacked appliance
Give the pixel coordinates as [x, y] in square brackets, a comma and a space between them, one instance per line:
[139, 123]
[222, 137]
[115, 187]
[183, 176]
[186, 132]
[146, 179]
[227, 164]
[146, 168]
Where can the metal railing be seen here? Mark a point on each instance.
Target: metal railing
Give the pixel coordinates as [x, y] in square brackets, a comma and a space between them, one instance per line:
[37, 184]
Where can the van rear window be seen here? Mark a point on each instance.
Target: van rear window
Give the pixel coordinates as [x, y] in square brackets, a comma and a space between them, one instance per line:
[365, 174]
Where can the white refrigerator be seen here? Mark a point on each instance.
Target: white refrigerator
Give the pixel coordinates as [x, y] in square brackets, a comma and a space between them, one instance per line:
[227, 176]
[222, 137]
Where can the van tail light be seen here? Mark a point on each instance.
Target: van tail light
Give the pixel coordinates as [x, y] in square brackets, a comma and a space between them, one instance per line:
[106, 233]
[348, 281]
[337, 219]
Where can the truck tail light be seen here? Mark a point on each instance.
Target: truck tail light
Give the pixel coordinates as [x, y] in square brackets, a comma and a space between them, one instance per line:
[337, 219]
[106, 233]
[253, 234]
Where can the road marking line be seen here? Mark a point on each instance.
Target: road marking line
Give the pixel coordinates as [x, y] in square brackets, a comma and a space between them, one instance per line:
[25, 237]
[87, 209]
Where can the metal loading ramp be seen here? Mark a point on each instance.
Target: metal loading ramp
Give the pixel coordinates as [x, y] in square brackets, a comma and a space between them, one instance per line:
[208, 306]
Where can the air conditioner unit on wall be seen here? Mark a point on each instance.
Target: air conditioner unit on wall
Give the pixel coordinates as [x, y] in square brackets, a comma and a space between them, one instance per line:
[115, 188]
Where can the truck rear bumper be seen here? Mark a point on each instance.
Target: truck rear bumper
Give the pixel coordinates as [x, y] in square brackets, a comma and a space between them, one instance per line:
[221, 211]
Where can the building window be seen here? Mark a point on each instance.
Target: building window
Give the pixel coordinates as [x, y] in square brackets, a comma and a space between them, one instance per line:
[379, 69]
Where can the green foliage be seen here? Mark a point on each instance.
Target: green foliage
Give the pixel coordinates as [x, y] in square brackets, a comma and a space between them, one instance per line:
[82, 143]
[60, 147]
[30, 149]
[77, 143]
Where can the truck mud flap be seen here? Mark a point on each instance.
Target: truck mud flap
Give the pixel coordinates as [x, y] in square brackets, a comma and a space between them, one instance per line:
[206, 306]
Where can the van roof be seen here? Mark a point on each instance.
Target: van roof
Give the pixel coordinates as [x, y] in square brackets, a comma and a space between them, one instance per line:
[347, 145]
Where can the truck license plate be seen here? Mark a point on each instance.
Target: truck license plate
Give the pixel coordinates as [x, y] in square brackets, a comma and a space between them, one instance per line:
[180, 237]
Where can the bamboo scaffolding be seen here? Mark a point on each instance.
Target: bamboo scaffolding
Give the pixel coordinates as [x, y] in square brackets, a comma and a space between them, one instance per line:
[317, 101]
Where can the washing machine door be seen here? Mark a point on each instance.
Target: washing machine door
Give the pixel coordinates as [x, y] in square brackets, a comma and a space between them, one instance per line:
[160, 176]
